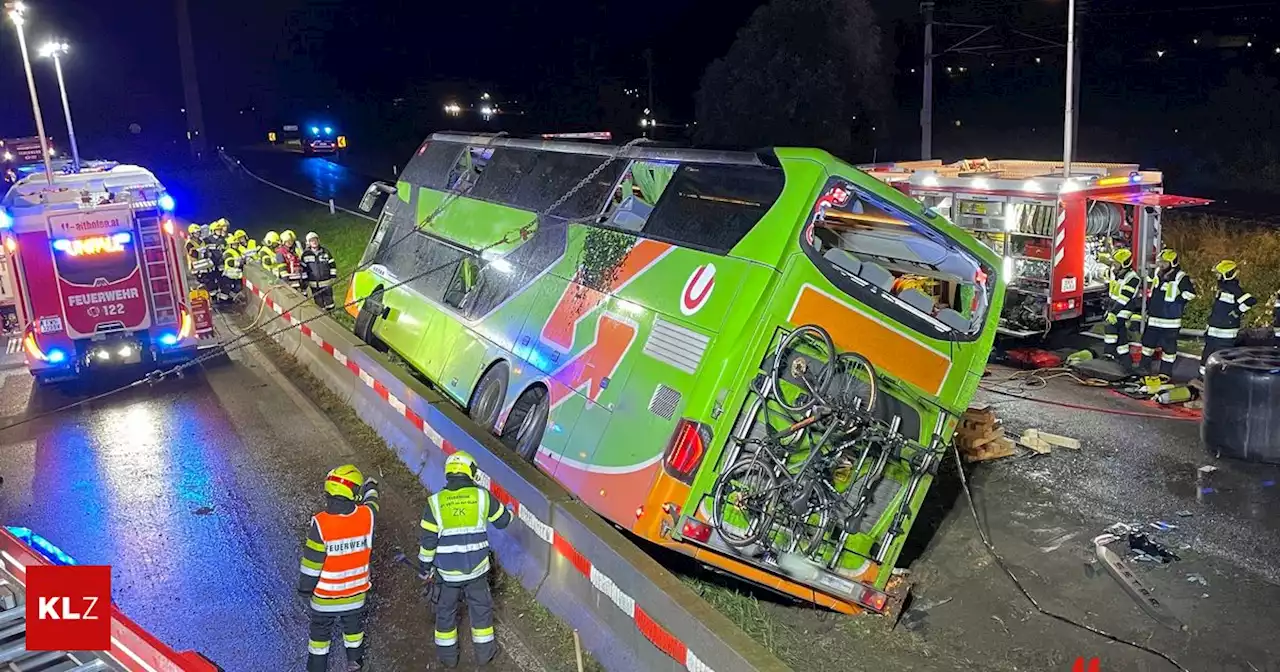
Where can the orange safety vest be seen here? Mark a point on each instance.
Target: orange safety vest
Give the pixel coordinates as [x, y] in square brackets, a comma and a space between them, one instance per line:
[348, 545]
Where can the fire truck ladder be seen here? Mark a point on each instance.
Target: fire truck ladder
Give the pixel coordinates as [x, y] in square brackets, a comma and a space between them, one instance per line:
[157, 262]
[14, 656]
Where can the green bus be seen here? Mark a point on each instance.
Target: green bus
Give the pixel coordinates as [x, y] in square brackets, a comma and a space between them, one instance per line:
[620, 316]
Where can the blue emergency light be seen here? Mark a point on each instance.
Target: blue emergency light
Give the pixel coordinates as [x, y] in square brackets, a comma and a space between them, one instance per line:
[328, 130]
[41, 545]
[166, 202]
[168, 339]
[6, 220]
[55, 356]
[315, 130]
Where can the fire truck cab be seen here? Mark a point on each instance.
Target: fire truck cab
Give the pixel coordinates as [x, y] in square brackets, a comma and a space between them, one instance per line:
[1050, 229]
[97, 271]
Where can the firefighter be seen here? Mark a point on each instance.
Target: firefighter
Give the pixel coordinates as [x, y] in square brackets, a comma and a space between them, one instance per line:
[232, 274]
[193, 243]
[1229, 306]
[321, 271]
[288, 237]
[287, 265]
[267, 251]
[335, 565]
[1171, 289]
[1123, 284]
[455, 549]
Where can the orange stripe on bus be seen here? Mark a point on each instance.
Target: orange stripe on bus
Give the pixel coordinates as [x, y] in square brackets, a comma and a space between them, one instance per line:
[896, 354]
[596, 362]
[578, 300]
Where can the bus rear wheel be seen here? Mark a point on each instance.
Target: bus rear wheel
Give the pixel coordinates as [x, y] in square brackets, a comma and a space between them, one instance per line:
[527, 422]
[487, 398]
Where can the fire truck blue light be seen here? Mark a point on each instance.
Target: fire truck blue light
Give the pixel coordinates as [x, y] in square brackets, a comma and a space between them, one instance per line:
[6, 220]
[56, 356]
[168, 339]
[166, 202]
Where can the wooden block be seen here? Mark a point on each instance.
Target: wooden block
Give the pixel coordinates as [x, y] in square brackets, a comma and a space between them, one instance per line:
[1035, 445]
[1059, 440]
[978, 441]
[1000, 447]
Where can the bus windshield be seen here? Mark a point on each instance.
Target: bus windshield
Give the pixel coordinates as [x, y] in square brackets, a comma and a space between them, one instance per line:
[896, 262]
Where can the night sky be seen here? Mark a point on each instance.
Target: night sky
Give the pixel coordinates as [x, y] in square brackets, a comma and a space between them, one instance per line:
[262, 61]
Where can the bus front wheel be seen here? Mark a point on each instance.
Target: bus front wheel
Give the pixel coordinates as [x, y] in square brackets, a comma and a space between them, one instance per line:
[523, 430]
[370, 310]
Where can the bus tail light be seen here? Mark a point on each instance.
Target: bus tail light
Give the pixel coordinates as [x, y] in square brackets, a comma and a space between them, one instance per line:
[871, 598]
[686, 449]
[696, 530]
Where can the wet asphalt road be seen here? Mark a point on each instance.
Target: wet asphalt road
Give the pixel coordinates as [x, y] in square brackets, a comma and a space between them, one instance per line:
[197, 493]
[320, 177]
[1042, 512]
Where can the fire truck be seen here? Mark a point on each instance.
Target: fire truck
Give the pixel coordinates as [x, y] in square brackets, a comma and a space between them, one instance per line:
[1050, 229]
[96, 265]
[132, 648]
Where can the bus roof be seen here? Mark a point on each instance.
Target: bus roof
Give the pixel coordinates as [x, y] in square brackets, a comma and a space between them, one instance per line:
[640, 151]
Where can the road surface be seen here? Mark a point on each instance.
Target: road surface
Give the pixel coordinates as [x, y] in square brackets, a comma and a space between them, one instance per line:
[320, 177]
[197, 492]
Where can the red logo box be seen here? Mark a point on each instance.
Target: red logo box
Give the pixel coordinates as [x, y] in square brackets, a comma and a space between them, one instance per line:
[68, 608]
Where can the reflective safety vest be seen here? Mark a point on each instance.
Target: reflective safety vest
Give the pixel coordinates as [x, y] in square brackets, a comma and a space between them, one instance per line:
[1121, 291]
[1229, 306]
[462, 514]
[348, 544]
[231, 264]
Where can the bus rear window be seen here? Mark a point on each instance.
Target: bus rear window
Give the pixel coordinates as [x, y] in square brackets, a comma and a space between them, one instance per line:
[893, 261]
[712, 207]
[431, 164]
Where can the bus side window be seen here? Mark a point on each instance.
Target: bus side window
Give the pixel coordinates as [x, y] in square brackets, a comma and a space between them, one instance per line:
[465, 277]
[636, 194]
[467, 170]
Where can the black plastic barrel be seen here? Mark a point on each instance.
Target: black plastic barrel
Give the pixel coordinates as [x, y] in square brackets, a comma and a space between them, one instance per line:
[1242, 404]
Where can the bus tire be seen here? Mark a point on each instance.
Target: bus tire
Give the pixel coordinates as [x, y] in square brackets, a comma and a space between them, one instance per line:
[489, 395]
[370, 310]
[525, 425]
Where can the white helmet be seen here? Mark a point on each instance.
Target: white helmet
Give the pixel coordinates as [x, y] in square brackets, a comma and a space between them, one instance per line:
[313, 234]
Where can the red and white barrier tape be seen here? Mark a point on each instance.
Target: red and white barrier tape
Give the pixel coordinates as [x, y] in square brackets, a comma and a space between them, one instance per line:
[659, 636]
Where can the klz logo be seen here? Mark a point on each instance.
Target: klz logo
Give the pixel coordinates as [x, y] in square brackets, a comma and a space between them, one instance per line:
[68, 608]
[1086, 665]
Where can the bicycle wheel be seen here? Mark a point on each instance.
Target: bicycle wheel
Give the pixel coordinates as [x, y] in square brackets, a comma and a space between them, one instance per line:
[812, 385]
[846, 385]
[809, 529]
[743, 502]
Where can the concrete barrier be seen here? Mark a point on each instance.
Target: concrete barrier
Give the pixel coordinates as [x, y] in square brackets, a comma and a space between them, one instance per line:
[632, 614]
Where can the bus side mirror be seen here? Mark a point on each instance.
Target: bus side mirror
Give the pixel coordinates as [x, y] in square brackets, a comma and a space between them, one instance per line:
[372, 193]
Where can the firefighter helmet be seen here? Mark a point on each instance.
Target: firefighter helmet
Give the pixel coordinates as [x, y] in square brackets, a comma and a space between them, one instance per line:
[220, 225]
[193, 230]
[460, 463]
[344, 482]
[312, 235]
[288, 236]
[271, 239]
[1122, 256]
[1227, 269]
[241, 234]
[1170, 257]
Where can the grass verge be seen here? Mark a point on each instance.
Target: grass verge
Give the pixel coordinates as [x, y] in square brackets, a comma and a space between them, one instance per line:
[515, 606]
[1204, 240]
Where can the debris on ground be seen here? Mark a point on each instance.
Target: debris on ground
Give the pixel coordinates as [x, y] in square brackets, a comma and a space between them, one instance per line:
[1132, 585]
[1183, 513]
[980, 436]
[1033, 358]
[914, 618]
[1197, 578]
[1207, 469]
[1146, 549]
[1163, 526]
[203, 511]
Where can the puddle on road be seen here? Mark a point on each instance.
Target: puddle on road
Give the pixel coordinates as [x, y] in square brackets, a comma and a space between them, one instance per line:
[1241, 489]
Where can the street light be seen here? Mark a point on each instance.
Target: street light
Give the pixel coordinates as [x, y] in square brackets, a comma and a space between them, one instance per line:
[17, 12]
[55, 49]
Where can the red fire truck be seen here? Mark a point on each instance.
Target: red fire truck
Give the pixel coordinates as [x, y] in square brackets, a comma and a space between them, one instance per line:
[97, 269]
[1050, 229]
